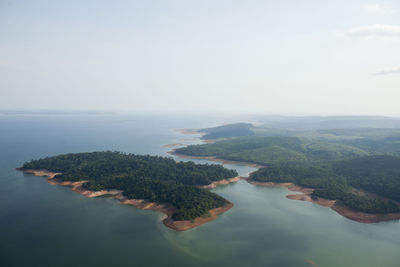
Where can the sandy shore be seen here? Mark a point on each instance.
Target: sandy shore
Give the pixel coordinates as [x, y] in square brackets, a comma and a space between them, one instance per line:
[221, 182]
[349, 213]
[290, 186]
[186, 225]
[173, 145]
[194, 131]
[317, 200]
[168, 210]
[189, 131]
[211, 158]
[364, 217]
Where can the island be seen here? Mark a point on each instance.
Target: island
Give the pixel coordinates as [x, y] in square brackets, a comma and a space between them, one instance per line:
[178, 189]
[356, 172]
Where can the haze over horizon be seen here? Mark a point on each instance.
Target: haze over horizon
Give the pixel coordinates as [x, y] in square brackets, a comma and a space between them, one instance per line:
[286, 57]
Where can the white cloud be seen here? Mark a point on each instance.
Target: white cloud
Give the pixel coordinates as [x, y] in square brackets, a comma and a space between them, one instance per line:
[379, 9]
[376, 30]
[392, 70]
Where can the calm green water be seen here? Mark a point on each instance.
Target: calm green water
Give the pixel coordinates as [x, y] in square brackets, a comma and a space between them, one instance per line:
[47, 225]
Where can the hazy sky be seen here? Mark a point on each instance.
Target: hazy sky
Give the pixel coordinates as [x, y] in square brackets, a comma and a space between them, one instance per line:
[288, 57]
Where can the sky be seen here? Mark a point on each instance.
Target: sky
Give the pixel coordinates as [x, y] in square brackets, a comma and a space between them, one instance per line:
[206, 56]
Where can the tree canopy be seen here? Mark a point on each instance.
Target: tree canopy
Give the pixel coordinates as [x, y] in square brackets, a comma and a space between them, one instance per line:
[152, 178]
[332, 168]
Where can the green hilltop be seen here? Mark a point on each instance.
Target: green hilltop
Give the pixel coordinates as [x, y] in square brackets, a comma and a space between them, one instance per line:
[153, 178]
[360, 167]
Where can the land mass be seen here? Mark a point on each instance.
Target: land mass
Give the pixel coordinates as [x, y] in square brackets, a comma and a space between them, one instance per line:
[343, 210]
[213, 158]
[177, 189]
[342, 173]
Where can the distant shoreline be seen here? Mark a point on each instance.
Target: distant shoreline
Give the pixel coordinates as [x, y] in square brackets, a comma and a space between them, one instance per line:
[343, 210]
[166, 209]
[212, 158]
[221, 182]
[188, 131]
[358, 216]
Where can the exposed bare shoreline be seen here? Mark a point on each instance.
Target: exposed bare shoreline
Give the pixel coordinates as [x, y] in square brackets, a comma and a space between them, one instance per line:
[349, 213]
[221, 182]
[168, 210]
[212, 158]
[194, 131]
[189, 131]
[173, 145]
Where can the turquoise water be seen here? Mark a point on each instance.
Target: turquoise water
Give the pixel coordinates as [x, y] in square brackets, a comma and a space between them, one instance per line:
[47, 225]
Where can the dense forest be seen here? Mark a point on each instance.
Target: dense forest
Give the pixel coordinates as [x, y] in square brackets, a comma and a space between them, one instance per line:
[332, 165]
[275, 149]
[152, 178]
[378, 174]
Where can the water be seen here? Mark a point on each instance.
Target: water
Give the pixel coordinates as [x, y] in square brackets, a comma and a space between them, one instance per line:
[47, 225]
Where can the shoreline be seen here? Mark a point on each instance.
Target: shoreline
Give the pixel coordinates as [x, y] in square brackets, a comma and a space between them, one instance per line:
[189, 224]
[188, 131]
[344, 211]
[166, 209]
[213, 158]
[221, 182]
[192, 132]
[358, 216]
[173, 145]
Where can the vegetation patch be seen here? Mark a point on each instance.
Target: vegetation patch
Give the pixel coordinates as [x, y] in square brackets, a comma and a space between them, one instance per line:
[152, 178]
[333, 167]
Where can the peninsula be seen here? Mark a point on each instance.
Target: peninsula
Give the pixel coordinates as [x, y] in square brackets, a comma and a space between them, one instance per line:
[178, 189]
[356, 172]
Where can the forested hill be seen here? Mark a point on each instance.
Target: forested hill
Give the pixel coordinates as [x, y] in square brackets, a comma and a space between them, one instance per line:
[378, 174]
[276, 149]
[332, 168]
[229, 130]
[153, 178]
